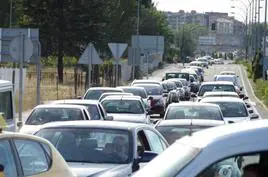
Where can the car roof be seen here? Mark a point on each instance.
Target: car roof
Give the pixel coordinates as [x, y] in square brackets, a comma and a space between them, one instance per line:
[189, 103]
[5, 83]
[147, 84]
[194, 122]
[221, 93]
[131, 87]
[60, 106]
[245, 129]
[220, 75]
[75, 101]
[145, 81]
[104, 88]
[227, 72]
[94, 124]
[222, 99]
[116, 93]
[217, 83]
[123, 97]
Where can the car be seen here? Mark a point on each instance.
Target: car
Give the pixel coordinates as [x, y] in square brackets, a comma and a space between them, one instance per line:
[228, 73]
[43, 114]
[195, 63]
[170, 85]
[163, 85]
[138, 91]
[27, 155]
[157, 98]
[193, 110]
[218, 151]
[219, 61]
[104, 95]
[221, 94]
[126, 108]
[230, 78]
[178, 128]
[95, 109]
[173, 97]
[201, 72]
[180, 89]
[187, 89]
[94, 93]
[233, 109]
[99, 148]
[215, 86]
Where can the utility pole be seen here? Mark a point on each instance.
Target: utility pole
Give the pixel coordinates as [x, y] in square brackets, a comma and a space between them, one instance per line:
[265, 28]
[138, 41]
[259, 29]
[10, 26]
[181, 48]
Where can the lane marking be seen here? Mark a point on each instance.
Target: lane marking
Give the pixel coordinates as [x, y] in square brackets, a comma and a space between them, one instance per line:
[250, 87]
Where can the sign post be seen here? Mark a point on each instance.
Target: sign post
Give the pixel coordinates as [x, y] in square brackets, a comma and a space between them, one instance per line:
[90, 57]
[117, 50]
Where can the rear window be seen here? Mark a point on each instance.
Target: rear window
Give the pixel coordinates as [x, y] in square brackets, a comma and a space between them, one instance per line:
[216, 88]
[152, 89]
[136, 92]
[95, 94]
[44, 115]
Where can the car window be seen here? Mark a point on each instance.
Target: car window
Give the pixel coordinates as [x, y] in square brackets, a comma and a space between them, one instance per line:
[123, 106]
[154, 141]
[232, 109]
[142, 140]
[7, 159]
[221, 88]
[94, 112]
[232, 166]
[44, 115]
[151, 89]
[95, 94]
[101, 111]
[194, 112]
[33, 157]
[90, 145]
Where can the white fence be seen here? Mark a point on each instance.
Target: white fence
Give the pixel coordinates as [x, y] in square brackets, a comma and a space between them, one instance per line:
[6, 74]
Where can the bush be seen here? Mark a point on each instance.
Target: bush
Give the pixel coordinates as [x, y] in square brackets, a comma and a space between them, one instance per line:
[261, 90]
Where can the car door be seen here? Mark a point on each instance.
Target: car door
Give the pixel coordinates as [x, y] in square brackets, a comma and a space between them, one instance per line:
[7, 159]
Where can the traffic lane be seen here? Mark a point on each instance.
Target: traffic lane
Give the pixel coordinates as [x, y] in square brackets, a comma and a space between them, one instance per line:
[240, 71]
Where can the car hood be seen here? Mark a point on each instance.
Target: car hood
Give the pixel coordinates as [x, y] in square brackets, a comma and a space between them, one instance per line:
[236, 119]
[96, 170]
[30, 129]
[137, 118]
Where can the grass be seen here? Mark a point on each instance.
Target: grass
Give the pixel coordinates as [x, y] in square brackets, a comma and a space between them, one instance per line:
[48, 88]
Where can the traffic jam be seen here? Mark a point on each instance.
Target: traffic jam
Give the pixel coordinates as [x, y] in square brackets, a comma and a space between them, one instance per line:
[181, 125]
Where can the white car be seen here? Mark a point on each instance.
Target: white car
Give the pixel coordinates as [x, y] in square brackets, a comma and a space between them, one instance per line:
[43, 114]
[215, 86]
[233, 109]
[126, 108]
[221, 94]
[220, 151]
[94, 93]
[230, 78]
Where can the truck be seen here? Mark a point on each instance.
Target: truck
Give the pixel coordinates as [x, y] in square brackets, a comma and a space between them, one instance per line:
[7, 105]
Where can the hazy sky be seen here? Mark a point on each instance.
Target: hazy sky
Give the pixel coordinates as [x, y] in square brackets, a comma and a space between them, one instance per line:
[203, 6]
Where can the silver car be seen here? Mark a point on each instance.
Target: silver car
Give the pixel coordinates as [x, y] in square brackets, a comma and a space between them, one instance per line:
[126, 108]
[101, 148]
[219, 151]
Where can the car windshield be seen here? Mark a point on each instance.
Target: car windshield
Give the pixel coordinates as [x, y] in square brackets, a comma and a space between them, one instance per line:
[112, 94]
[137, 92]
[232, 109]
[177, 75]
[90, 145]
[230, 79]
[123, 106]
[194, 112]
[172, 133]
[215, 88]
[44, 115]
[95, 94]
[152, 89]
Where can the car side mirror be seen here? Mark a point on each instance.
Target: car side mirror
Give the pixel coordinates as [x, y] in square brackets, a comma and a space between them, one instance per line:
[109, 118]
[231, 122]
[150, 98]
[242, 96]
[147, 157]
[248, 105]
[254, 116]
[19, 124]
[251, 111]
[245, 98]
[241, 88]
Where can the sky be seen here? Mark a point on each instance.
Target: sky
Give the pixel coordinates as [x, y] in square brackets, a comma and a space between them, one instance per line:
[205, 6]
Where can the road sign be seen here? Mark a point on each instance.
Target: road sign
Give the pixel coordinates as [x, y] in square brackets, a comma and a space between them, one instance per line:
[15, 47]
[117, 50]
[134, 56]
[8, 34]
[90, 56]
